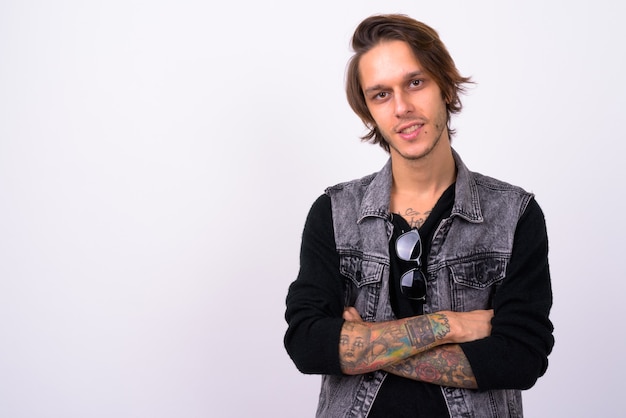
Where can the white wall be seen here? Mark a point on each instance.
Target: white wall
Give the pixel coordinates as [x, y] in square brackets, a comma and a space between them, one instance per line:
[158, 158]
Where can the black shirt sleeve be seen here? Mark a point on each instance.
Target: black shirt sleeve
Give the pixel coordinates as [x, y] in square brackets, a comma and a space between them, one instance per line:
[315, 299]
[515, 355]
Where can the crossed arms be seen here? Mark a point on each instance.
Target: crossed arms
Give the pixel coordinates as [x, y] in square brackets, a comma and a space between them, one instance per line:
[513, 355]
[421, 348]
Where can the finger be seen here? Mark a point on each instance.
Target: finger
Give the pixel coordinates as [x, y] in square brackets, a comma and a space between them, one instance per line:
[351, 314]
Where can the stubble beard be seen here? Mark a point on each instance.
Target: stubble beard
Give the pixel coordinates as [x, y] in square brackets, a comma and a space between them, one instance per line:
[440, 126]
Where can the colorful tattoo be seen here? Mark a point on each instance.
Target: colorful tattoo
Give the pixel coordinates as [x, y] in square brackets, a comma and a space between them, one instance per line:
[420, 332]
[440, 325]
[445, 365]
[364, 348]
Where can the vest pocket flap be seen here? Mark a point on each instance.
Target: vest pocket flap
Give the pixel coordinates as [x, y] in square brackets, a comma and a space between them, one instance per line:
[479, 274]
[360, 271]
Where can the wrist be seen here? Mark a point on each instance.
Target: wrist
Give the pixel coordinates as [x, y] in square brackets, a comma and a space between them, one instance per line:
[440, 325]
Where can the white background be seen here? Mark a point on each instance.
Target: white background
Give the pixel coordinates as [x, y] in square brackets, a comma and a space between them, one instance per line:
[158, 159]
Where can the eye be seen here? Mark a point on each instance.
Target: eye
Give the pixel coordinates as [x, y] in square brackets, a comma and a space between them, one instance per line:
[381, 95]
[416, 83]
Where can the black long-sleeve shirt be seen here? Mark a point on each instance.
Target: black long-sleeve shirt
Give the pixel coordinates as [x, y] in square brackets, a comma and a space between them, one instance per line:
[514, 356]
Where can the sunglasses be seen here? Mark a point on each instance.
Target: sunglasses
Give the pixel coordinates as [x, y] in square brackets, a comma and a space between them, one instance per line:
[413, 282]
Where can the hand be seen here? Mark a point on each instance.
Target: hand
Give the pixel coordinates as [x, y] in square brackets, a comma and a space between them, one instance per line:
[351, 314]
[469, 326]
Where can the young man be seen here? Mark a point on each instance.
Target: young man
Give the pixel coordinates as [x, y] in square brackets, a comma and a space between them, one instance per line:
[424, 289]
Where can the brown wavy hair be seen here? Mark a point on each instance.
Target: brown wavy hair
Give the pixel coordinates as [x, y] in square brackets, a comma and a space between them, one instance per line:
[427, 48]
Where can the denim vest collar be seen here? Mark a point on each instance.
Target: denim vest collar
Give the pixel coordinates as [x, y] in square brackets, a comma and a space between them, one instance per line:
[376, 198]
[466, 204]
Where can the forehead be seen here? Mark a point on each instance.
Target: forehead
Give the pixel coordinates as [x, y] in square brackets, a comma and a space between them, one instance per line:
[387, 62]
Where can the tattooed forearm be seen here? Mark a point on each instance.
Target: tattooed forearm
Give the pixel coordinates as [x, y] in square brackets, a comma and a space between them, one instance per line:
[364, 347]
[440, 324]
[445, 365]
[420, 331]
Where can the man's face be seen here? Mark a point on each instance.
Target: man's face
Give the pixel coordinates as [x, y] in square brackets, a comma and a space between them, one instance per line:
[405, 102]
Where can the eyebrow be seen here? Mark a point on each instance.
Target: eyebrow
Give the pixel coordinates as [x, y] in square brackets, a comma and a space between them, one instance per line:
[379, 87]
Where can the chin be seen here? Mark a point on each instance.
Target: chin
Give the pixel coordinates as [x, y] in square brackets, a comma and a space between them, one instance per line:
[414, 153]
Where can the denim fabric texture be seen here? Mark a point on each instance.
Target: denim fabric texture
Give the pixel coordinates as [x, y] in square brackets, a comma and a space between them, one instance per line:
[467, 262]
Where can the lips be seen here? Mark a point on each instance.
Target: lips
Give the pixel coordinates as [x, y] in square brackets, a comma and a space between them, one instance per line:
[410, 129]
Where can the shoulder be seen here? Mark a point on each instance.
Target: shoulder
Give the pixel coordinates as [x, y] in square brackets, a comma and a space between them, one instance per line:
[492, 183]
[534, 217]
[494, 188]
[501, 192]
[352, 185]
[320, 206]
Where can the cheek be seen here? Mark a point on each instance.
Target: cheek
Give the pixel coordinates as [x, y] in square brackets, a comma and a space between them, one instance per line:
[440, 114]
[379, 114]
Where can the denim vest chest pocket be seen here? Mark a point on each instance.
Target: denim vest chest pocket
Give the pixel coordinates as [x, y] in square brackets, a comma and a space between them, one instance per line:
[361, 271]
[474, 281]
[362, 285]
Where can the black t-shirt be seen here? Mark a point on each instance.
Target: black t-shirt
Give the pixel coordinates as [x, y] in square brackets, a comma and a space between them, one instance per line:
[399, 396]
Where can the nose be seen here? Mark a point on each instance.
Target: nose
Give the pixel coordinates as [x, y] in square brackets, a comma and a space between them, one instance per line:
[403, 104]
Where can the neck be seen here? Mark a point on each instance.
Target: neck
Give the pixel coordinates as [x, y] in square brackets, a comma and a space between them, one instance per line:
[426, 177]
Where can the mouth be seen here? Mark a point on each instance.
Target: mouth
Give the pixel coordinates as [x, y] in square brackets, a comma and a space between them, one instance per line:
[410, 130]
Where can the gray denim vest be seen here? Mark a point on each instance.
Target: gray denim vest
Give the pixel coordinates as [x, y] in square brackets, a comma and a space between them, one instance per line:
[467, 262]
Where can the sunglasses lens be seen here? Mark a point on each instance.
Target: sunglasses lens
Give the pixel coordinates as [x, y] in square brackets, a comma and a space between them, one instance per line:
[408, 246]
[413, 284]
